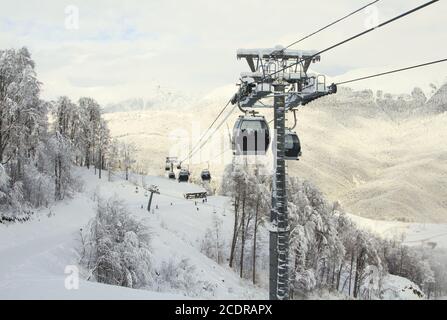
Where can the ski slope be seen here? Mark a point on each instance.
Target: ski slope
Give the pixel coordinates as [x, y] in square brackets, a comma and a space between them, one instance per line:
[411, 233]
[35, 254]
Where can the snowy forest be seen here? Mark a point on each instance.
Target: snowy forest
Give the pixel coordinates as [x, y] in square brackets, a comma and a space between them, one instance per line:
[42, 141]
[328, 252]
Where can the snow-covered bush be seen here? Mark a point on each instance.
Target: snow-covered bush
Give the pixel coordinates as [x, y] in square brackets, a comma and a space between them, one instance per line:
[180, 276]
[38, 186]
[4, 180]
[213, 244]
[116, 247]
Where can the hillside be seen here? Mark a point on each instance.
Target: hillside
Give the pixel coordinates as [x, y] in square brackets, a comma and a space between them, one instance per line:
[380, 155]
[39, 251]
[42, 248]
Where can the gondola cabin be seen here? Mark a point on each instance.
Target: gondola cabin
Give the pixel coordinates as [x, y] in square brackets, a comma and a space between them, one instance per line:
[205, 175]
[183, 176]
[251, 136]
[292, 146]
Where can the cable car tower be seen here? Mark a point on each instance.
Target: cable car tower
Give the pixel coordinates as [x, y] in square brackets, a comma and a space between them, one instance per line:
[280, 75]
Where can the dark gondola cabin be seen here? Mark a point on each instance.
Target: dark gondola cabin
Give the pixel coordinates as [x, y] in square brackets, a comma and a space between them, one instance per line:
[206, 175]
[292, 146]
[183, 176]
[251, 136]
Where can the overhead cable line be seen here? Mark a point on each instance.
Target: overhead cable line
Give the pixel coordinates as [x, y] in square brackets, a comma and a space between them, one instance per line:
[302, 39]
[212, 133]
[290, 45]
[356, 36]
[331, 24]
[205, 133]
[392, 71]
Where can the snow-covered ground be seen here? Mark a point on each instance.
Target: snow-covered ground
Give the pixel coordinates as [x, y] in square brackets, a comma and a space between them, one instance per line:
[434, 235]
[34, 255]
[376, 163]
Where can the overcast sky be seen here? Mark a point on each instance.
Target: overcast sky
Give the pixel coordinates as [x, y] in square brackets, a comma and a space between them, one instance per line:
[122, 49]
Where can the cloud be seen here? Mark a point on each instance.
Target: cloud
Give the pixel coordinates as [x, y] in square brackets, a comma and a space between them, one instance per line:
[123, 48]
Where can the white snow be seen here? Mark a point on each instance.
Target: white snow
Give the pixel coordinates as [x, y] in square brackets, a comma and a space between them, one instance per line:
[365, 156]
[35, 254]
[410, 233]
[398, 288]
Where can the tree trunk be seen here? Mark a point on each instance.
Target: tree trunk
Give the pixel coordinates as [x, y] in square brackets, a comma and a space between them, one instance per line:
[242, 238]
[333, 276]
[235, 231]
[99, 164]
[57, 177]
[255, 231]
[87, 157]
[350, 272]
[339, 276]
[358, 273]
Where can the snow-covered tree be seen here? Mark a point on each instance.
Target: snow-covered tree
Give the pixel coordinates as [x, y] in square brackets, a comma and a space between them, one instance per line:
[113, 158]
[128, 151]
[102, 145]
[116, 247]
[23, 129]
[90, 120]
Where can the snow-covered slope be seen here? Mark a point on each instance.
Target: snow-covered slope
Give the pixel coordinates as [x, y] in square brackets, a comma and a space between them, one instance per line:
[412, 234]
[35, 254]
[383, 161]
[158, 99]
[398, 288]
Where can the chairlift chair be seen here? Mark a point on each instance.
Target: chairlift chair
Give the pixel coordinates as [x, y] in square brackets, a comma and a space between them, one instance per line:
[183, 176]
[251, 135]
[292, 145]
[206, 175]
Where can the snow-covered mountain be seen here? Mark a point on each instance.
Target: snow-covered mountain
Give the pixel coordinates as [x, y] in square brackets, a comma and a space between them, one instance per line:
[42, 249]
[438, 102]
[157, 98]
[380, 154]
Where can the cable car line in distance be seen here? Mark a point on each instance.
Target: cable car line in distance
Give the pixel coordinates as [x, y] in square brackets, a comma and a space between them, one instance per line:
[392, 71]
[209, 128]
[212, 133]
